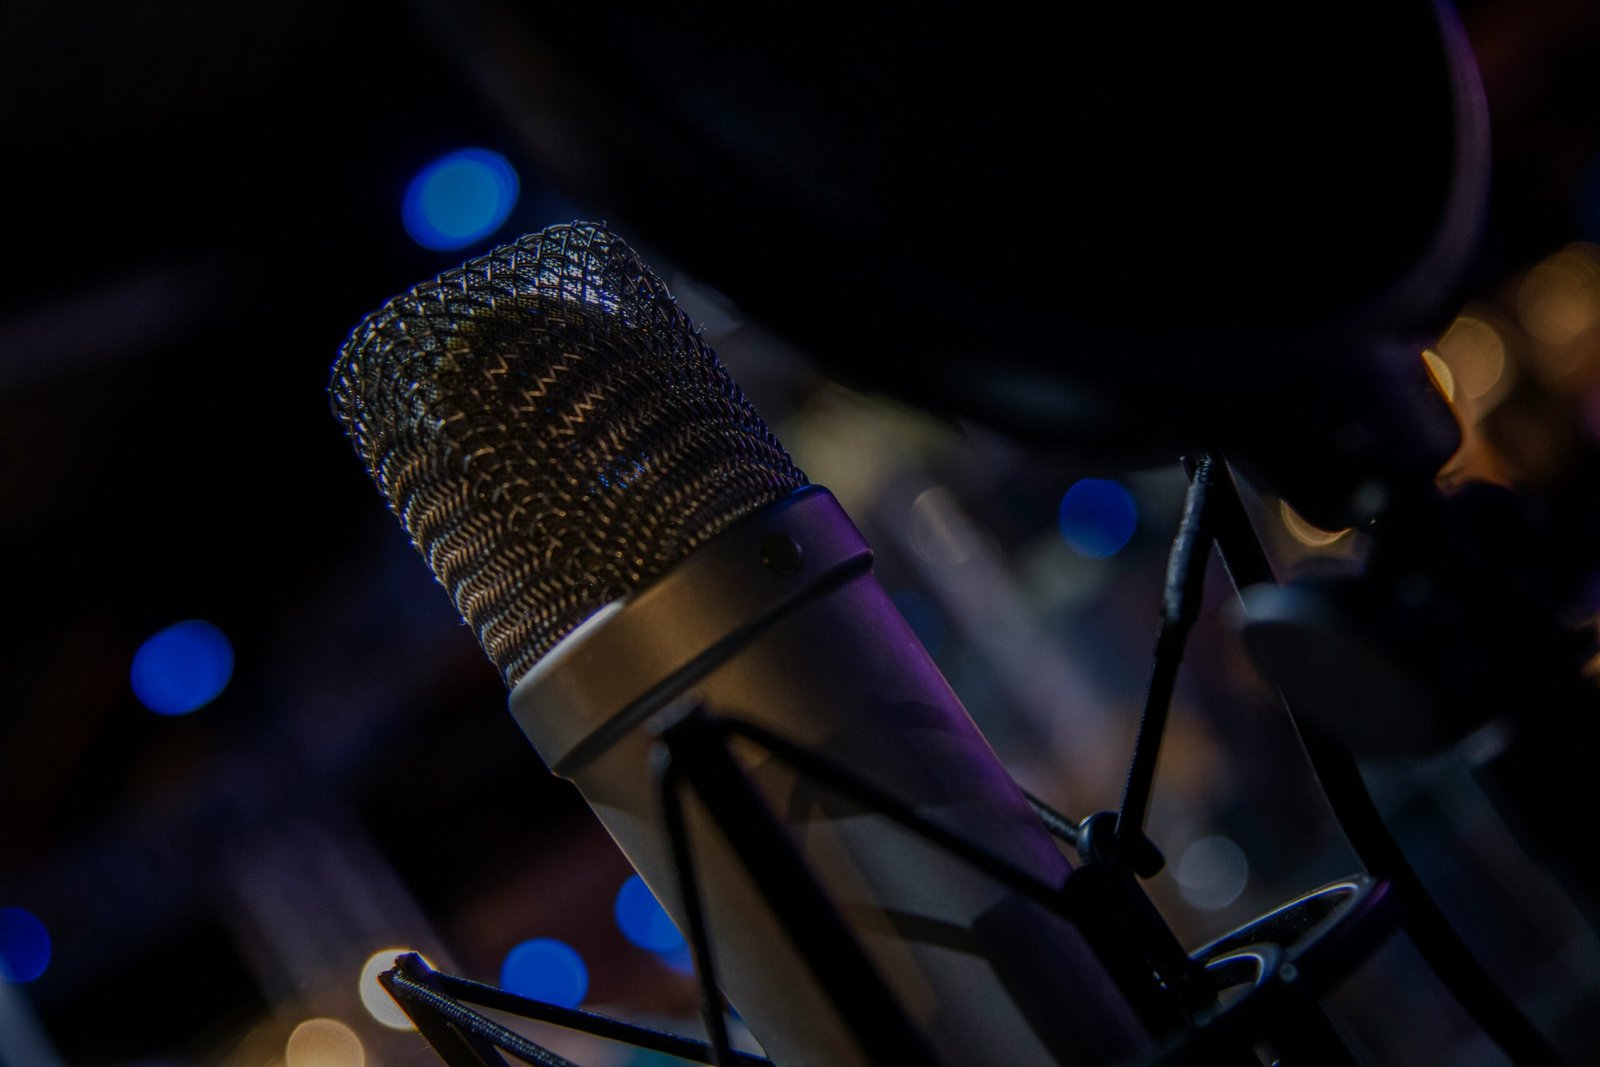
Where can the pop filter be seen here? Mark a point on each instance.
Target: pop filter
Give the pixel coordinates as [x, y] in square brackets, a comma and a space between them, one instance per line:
[1091, 224]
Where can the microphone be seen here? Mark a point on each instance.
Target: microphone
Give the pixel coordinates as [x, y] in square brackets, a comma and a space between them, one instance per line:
[623, 532]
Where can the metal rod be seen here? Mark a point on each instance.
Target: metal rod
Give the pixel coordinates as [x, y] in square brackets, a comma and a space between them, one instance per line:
[687, 1048]
[847, 976]
[694, 913]
[1116, 918]
[847, 785]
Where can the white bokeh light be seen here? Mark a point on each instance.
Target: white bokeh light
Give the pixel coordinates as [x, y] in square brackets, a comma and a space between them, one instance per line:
[324, 1043]
[376, 999]
[1212, 872]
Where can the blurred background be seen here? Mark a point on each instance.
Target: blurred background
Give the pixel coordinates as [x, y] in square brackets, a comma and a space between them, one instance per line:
[247, 747]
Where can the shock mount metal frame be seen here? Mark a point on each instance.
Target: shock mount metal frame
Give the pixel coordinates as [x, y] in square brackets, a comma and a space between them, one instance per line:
[1271, 971]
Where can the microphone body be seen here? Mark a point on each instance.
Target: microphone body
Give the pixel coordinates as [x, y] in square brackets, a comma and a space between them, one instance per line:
[619, 526]
[780, 622]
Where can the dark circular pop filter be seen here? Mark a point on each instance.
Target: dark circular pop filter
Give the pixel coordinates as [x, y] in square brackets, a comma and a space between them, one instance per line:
[1097, 223]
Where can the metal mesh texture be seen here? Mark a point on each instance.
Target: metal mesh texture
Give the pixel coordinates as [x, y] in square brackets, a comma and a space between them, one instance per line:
[552, 432]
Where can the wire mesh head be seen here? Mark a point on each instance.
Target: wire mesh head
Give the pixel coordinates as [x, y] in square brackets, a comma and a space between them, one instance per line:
[552, 432]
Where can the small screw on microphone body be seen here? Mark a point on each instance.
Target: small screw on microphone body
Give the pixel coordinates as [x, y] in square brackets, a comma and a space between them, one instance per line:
[781, 554]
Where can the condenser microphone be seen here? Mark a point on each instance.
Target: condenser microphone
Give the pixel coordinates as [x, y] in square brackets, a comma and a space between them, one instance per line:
[621, 530]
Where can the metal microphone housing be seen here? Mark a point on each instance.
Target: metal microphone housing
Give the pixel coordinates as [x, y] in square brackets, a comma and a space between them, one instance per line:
[621, 528]
[818, 654]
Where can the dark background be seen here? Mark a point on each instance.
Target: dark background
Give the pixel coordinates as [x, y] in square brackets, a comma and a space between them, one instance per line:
[203, 199]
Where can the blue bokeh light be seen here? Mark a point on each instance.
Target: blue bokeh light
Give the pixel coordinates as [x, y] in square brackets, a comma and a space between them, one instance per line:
[459, 198]
[24, 945]
[548, 970]
[645, 1057]
[1098, 517]
[182, 668]
[1587, 201]
[643, 920]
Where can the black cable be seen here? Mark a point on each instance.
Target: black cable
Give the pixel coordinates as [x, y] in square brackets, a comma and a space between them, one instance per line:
[406, 988]
[1058, 824]
[1182, 594]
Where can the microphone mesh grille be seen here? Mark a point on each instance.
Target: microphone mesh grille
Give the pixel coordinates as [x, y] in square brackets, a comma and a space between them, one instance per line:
[552, 432]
